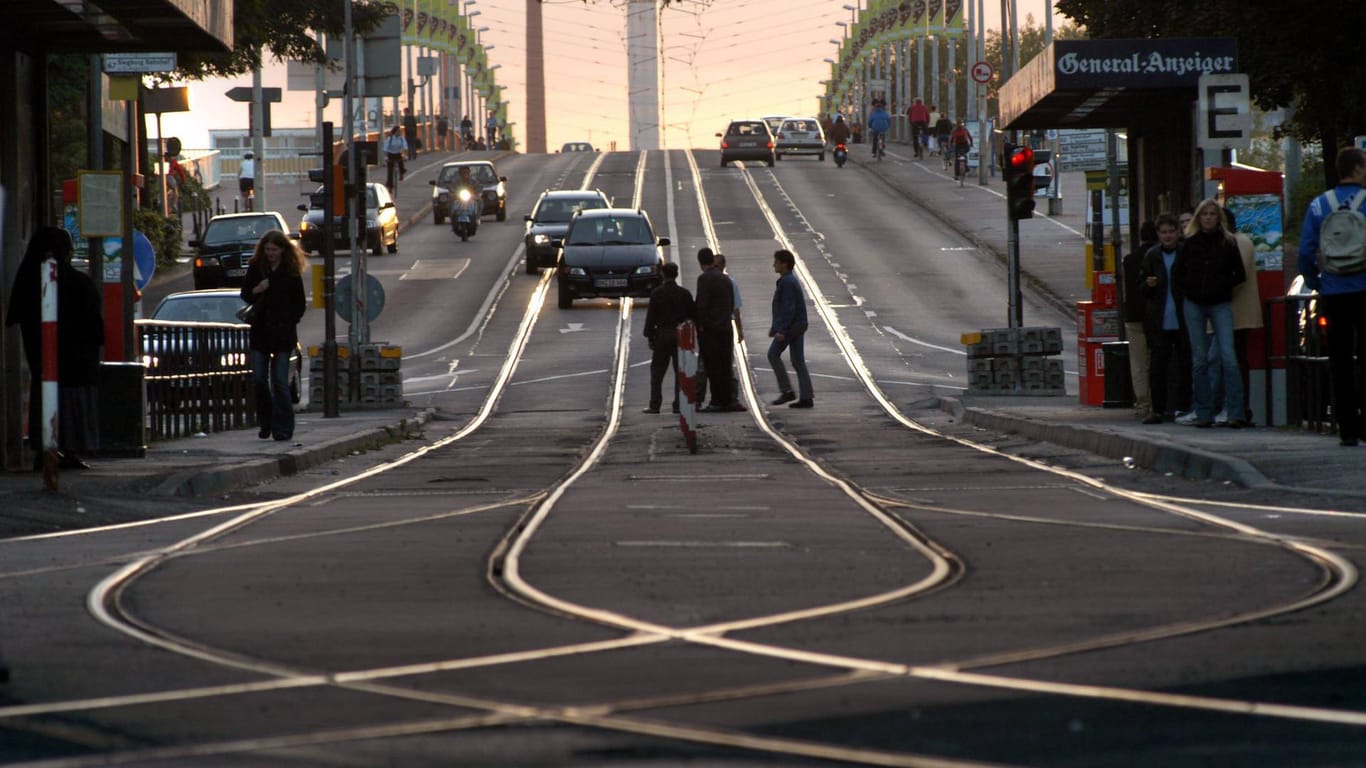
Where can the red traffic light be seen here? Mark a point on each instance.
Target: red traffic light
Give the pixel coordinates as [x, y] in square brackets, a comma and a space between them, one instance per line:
[1019, 173]
[1022, 160]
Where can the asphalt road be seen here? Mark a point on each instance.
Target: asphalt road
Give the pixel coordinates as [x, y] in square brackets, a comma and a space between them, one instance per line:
[551, 578]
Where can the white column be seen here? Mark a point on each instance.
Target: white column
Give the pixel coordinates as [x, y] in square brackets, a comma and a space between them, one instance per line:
[645, 76]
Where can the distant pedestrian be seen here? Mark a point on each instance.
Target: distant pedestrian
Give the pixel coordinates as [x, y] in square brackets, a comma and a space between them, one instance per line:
[919, 117]
[1169, 363]
[410, 133]
[491, 128]
[788, 331]
[715, 311]
[739, 325]
[274, 285]
[246, 179]
[670, 305]
[1342, 299]
[1207, 268]
[1134, 308]
[80, 334]
[443, 130]
[943, 129]
[466, 132]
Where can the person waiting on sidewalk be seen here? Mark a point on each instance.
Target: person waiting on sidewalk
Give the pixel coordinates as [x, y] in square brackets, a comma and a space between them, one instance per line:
[1207, 268]
[1169, 355]
[788, 331]
[1342, 299]
[274, 286]
[1134, 307]
[1247, 316]
[670, 305]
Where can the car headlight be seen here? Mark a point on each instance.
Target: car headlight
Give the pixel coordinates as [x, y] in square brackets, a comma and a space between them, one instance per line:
[540, 240]
[577, 272]
[151, 361]
[207, 261]
[465, 195]
[648, 269]
[304, 226]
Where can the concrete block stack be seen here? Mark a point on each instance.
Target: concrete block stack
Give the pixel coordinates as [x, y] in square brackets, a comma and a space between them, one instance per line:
[1004, 361]
[372, 379]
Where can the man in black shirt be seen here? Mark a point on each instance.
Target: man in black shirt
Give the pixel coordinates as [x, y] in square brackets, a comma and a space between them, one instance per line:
[670, 305]
[715, 310]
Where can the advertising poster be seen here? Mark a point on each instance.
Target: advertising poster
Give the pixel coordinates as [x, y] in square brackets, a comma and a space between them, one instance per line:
[1260, 218]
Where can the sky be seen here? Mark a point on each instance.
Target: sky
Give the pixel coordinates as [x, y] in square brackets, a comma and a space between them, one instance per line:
[722, 59]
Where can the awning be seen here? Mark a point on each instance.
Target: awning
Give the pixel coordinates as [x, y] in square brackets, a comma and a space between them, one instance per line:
[1102, 83]
[111, 26]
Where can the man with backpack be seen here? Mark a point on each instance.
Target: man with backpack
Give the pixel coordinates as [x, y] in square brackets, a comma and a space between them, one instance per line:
[1333, 262]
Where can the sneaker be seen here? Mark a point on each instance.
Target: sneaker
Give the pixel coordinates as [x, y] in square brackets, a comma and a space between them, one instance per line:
[1187, 419]
[785, 397]
[1221, 417]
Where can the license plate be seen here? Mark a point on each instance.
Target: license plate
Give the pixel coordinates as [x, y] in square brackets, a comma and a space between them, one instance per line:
[749, 143]
[237, 272]
[611, 282]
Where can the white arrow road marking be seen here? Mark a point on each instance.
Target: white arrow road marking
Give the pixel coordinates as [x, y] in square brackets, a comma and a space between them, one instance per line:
[573, 328]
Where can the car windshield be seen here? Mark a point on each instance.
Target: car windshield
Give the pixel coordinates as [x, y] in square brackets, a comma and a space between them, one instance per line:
[560, 211]
[610, 230]
[482, 175]
[238, 230]
[800, 125]
[746, 129]
[199, 309]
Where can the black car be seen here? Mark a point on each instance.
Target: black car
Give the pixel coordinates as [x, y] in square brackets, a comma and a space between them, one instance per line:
[548, 221]
[747, 140]
[609, 252]
[485, 176]
[221, 254]
[381, 230]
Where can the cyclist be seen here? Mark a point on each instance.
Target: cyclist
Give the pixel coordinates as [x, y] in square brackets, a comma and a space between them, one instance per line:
[961, 141]
[879, 121]
[942, 130]
[246, 179]
[395, 147]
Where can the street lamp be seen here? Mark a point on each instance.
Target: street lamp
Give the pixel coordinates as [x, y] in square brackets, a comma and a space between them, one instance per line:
[844, 25]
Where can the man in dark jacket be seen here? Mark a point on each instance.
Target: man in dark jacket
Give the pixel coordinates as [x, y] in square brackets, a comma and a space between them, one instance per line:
[670, 305]
[1169, 363]
[788, 331]
[715, 310]
[1131, 304]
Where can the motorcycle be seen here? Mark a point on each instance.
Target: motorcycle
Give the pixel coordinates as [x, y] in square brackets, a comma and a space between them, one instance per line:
[841, 154]
[465, 216]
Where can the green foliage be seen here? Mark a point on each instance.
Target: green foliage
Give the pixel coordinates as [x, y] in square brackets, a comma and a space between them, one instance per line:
[164, 233]
[67, 80]
[284, 28]
[1311, 185]
[1308, 57]
[1031, 45]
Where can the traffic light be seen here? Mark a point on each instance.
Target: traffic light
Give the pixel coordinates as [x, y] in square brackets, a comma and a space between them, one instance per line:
[1019, 182]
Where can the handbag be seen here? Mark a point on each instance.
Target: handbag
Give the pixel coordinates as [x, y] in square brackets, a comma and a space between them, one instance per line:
[247, 313]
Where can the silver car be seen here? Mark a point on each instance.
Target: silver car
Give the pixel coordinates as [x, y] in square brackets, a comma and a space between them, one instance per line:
[799, 136]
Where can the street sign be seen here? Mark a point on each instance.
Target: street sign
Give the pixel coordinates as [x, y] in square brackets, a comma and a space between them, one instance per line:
[136, 63]
[982, 72]
[1224, 113]
[243, 93]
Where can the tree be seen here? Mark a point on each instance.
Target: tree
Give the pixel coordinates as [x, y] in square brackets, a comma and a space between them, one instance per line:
[282, 27]
[1031, 45]
[1304, 58]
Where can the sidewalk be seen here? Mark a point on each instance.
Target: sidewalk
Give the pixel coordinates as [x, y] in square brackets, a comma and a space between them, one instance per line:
[1052, 262]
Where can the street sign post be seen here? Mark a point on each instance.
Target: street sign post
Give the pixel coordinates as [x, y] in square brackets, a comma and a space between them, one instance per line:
[982, 72]
[137, 63]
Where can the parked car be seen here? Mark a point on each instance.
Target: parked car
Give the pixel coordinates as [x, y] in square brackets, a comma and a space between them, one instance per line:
[747, 140]
[485, 174]
[222, 252]
[176, 354]
[577, 146]
[381, 216]
[549, 220]
[609, 252]
[799, 136]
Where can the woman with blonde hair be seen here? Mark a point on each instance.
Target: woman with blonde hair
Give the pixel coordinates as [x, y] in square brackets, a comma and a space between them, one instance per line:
[1208, 266]
[274, 286]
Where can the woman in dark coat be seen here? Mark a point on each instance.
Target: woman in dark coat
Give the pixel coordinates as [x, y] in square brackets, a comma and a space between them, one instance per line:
[274, 285]
[80, 332]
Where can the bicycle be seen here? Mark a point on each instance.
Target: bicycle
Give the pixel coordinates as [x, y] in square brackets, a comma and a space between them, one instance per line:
[395, 163]
[879, 146]
[960, 165]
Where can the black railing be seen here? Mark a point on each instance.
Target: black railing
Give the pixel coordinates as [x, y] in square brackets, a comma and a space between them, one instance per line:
[198, 377]
[1307, 392]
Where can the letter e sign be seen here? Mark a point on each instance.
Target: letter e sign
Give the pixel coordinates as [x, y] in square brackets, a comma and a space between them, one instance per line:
[1224, 113]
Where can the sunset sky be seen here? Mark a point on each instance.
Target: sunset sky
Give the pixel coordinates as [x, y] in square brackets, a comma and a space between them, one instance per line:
[723, 59]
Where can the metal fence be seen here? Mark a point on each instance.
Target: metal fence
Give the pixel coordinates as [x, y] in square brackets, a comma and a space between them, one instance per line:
[198, 377]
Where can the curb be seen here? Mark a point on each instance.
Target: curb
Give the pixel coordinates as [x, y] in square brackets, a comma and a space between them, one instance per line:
[202, 482]
[1183, 461]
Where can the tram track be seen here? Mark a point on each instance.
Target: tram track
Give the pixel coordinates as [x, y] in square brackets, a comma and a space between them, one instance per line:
[504, 571]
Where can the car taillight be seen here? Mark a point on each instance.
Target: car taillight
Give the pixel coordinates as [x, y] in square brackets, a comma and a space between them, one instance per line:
[725, 144]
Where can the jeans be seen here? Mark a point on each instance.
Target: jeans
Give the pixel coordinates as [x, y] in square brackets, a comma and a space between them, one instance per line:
[274, 408]
[1169, 369]
[1220, 317]
[775, 358]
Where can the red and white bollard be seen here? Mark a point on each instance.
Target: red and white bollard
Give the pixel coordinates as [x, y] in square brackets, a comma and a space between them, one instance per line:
[49, 373]
[687, 383]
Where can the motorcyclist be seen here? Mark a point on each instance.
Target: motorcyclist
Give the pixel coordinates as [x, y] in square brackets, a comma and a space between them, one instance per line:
[839, 131]
[879, 122]
[465, 181]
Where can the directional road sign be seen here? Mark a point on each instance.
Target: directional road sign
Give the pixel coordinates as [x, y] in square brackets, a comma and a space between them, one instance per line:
[243, 93]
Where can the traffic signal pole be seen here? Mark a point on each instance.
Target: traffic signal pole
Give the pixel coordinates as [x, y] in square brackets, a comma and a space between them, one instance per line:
[1019, 175]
